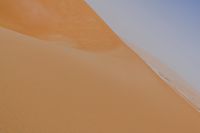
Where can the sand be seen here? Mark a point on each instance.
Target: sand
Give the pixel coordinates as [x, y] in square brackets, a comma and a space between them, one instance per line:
[76, 76]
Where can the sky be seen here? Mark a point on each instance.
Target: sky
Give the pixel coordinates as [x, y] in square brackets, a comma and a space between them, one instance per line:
[166, 29]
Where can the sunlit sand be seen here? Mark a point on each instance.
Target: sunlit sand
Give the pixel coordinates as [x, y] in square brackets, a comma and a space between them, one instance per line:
[65, 71]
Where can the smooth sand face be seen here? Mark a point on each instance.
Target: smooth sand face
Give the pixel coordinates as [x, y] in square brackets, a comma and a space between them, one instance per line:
[62, 20]
[69, 86]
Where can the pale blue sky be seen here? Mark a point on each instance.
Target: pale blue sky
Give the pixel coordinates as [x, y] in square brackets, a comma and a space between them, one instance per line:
[167, 29]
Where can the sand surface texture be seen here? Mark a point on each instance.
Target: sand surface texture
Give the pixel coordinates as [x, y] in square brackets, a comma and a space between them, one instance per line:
[62, 70]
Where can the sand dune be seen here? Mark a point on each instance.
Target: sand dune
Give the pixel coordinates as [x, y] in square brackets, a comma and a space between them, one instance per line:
[50, 85]
[59, 20]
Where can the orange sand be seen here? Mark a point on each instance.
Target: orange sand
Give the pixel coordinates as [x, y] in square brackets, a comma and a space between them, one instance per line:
[78, 77]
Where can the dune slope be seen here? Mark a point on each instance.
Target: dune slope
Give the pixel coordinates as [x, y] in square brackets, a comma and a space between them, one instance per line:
[62, 85]
[46, 87]
[58, 20]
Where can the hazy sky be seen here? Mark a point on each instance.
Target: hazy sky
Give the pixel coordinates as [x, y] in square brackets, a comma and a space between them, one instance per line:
[167, 29]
